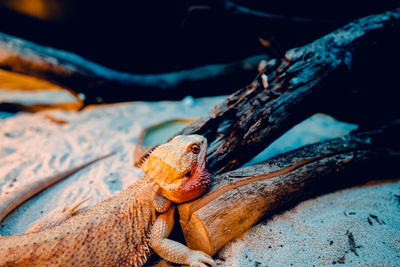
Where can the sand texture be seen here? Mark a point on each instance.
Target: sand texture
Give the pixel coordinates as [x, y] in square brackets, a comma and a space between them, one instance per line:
[315, 232]
[32, 146]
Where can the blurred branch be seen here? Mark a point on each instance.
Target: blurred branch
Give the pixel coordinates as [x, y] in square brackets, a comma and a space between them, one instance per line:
[238, 10]
[83, 76]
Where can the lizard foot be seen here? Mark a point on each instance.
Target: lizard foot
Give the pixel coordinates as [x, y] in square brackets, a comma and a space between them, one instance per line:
[74, 209]
[59, 218]
[199, 259]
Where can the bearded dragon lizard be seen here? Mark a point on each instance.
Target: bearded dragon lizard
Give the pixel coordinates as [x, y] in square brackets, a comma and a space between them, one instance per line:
[122, 230]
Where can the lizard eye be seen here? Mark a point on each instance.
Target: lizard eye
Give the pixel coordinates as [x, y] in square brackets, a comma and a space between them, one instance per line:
[195, 149]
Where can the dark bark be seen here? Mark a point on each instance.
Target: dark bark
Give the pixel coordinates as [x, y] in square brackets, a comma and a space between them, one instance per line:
[83, 76]
[239, 10]
[346, 73]
[271, 186]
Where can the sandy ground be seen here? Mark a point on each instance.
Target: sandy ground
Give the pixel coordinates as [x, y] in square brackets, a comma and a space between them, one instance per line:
[317, 232]
[32, 146]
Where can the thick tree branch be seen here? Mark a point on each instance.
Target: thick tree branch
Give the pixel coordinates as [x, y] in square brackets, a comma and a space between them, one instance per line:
[339, 73]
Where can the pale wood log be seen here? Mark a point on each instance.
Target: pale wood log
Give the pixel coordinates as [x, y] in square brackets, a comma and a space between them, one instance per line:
[238, 199]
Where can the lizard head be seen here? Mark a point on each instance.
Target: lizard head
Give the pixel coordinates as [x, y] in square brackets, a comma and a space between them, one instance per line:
[178, 167]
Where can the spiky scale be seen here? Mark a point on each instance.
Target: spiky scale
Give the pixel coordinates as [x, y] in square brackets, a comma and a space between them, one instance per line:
[119, 230]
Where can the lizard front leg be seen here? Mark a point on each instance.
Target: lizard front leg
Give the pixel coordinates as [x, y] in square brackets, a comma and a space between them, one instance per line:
[171, 250]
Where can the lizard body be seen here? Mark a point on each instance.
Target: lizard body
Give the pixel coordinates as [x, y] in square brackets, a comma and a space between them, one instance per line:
[122, 230]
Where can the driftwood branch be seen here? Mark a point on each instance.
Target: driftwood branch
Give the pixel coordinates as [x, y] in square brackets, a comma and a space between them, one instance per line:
[238, 10]
[238, 199]
[83, 76]
[326, 75]
[339, 74]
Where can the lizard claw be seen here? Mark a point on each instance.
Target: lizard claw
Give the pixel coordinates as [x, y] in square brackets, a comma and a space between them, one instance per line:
[56, 219]
[199, 259]
[76, 208]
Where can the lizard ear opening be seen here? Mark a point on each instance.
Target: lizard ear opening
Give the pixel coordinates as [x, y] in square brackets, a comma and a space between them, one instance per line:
[190, 189]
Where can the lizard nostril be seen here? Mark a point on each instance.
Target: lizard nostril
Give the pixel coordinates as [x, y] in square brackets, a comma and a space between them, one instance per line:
[189, 173]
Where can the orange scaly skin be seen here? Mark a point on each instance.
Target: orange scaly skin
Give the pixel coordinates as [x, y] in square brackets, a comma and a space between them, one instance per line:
[122, 230]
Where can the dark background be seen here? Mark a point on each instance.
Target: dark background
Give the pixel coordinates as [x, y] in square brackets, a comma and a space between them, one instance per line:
[162, 36]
